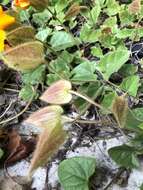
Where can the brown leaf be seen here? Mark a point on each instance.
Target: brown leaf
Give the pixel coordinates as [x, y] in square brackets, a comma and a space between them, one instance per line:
[49, 142]
[25, 148]
[74, 10]
[58, 93]
[14, 141]
[120, 110]
[49, 113]
[18, 148]
[39, 5]
[20, 35]
[135, 6]
[25, 56]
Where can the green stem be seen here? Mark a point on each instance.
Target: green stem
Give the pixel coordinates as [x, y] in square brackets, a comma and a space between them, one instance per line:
[88, 99]
[100, 107]
[93, 122]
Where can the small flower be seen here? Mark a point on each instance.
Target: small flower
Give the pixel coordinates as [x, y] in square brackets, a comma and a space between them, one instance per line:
[22, 3]
[5, 20]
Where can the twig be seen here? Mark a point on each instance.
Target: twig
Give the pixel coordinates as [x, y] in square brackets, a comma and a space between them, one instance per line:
[119, 173]
[19, 114]
[3, 114]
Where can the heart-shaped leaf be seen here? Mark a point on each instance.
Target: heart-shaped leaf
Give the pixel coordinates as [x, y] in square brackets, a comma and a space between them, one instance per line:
[20, 35]
[125, 156]
[39, 5]
[120, 110]
[49, 113]
[58, 93]
[74, 10]
[112, 62]
[25, 56]
[62, 40]
[74, 173]
[135, 6]
[52, 137]
[131, 84]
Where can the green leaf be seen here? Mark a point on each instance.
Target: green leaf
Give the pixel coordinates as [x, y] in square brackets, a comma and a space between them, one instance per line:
[61, 65]
[125, 33]
[1, 153]
[5, 2]
[111, 22]
[138, 112]
[125, 17]
[24, 16]
[87, 34]
[131, 84]
[92, 90]
[62, 40]
[84, 72]
[94, 13]
[74, 173]
[141, 187]
[27, 93]
[128, 69]
[124, 156]
[61, 5]
[51, 78]
[113, 7]
[35, 76]
[108, 101]
[43, 34]
[132, 122]
[97, 51]
[41, 18]
[112, 62]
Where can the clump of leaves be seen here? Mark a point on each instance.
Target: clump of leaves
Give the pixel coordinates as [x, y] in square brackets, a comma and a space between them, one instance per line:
[79, 62]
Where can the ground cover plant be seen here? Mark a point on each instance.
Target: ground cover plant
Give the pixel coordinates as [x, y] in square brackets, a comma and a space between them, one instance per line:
[73, 56]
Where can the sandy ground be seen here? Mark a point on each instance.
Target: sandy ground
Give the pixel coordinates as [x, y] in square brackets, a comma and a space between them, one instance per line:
[97, 150]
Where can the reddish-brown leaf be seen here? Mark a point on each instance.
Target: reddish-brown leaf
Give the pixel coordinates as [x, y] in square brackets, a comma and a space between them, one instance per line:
[58, 93]
[135, 6]
[74, 10]
[18, 148]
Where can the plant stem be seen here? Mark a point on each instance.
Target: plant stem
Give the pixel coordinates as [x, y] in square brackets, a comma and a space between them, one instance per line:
[20, 113]
[93, 122]
[88, 99]
[99, 106]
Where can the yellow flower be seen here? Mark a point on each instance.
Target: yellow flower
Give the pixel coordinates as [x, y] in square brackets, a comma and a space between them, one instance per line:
[5, 20]
[2, 39]
[22, 3]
